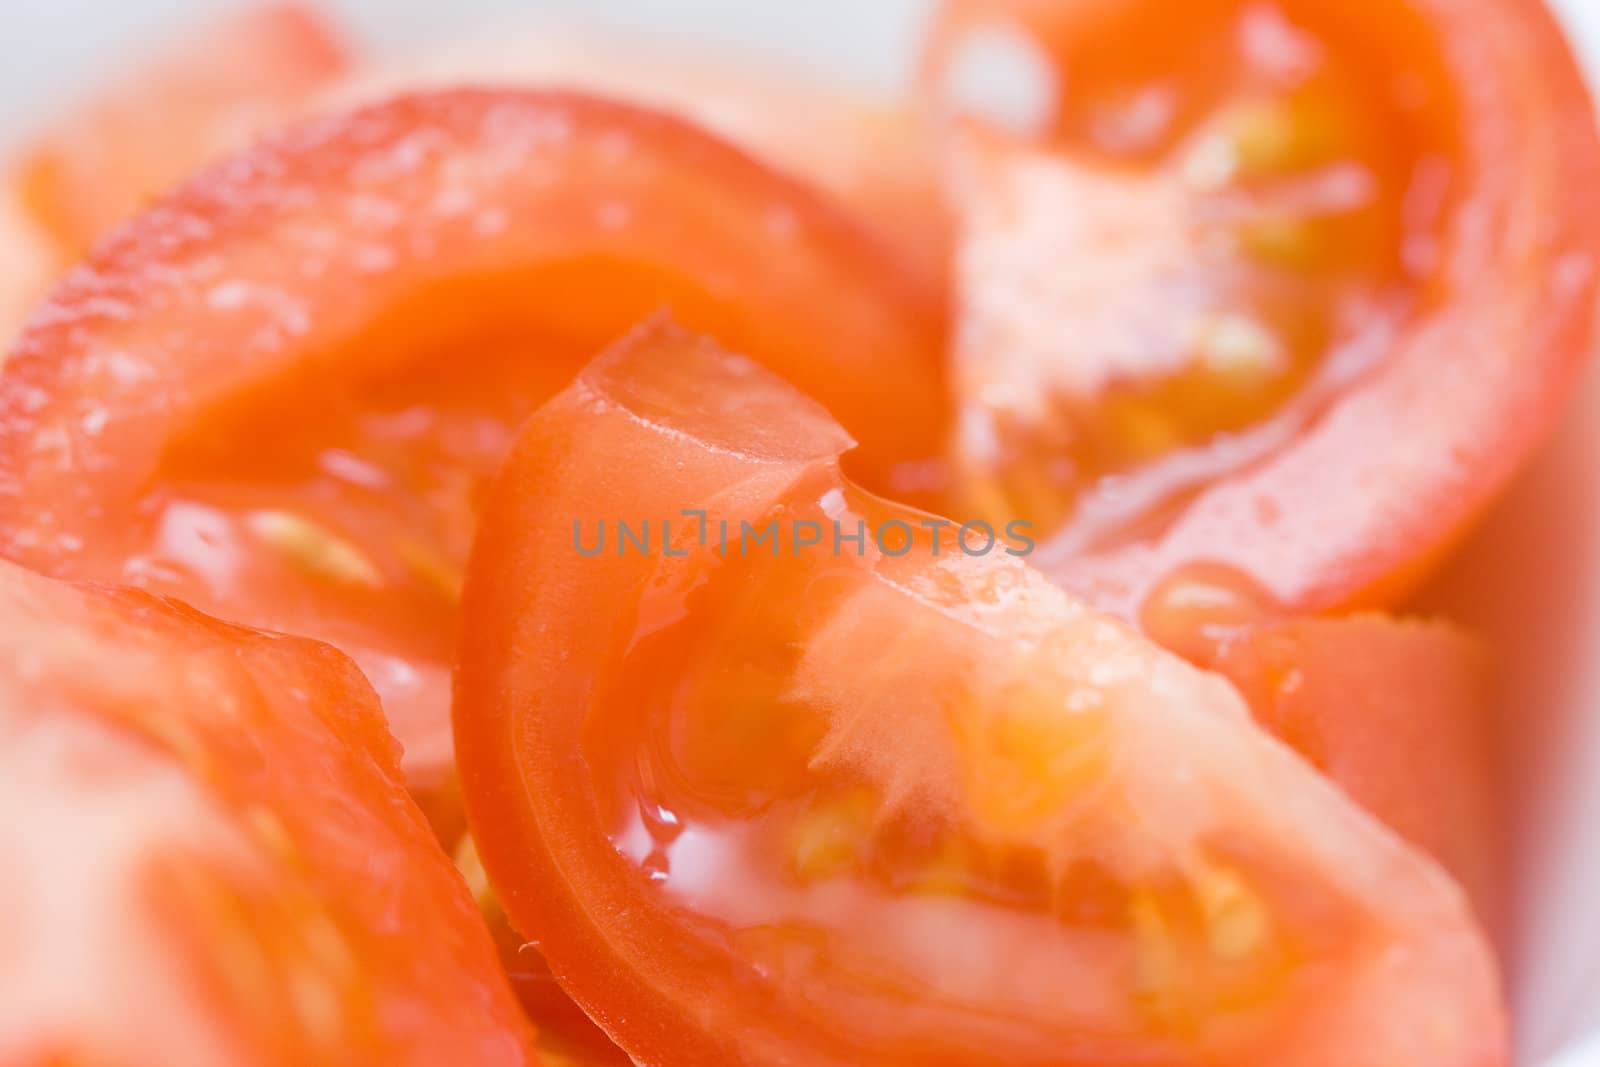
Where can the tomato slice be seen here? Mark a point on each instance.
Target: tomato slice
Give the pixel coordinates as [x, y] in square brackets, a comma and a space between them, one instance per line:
[566, 1034]
[210, 855]
[204, 95]
[782, 796]
[873, 150]
[1290, 286]
[1398, 713]
[277, 395]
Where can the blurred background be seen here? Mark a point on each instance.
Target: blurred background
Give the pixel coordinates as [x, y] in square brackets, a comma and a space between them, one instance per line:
[53, 47]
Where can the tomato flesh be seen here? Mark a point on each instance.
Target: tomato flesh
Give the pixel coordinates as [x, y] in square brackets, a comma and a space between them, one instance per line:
[1234, 297]
[286, 415]
[802, 804]
[1399, 713]
[213, 859]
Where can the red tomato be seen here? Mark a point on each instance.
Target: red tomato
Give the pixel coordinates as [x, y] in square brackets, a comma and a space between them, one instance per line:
[787, 801]
[1399, 714]
[210, 858]
[202, 96]
[1292, 287]
[278, 394]
[872, 150]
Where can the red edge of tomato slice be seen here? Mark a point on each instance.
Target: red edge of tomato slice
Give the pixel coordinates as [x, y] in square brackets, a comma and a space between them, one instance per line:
[677, 423]
[213, 858]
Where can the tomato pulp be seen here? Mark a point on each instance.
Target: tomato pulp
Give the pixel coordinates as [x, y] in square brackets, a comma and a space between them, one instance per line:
[770, 779]
[1291, 287]
[211, 855]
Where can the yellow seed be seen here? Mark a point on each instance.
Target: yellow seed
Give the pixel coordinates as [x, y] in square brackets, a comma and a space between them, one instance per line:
[1237, 923]
[269, 829]
[1261, 139]
[1038, 759]
[1285, 241]
[1144, 430]
[947, 873]
[432, 569]
[830, 839]
[1266, 137]
[1240, 348]
[1155, 950]
[470, 864]
[314, 548]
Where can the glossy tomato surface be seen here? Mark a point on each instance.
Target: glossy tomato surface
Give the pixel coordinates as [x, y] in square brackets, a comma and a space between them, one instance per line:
[873, 150]
[1292, 287]
[765, 793]
[278, 394]
[210, 858]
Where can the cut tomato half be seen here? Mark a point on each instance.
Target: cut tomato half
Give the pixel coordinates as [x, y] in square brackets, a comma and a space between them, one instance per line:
[773, 779]
[1292, 287]
[278, 394]
[211, 858]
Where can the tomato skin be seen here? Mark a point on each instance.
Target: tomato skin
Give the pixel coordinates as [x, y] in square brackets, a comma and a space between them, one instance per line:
[427, 235]
[875, 152]
[1374, 491]
[216, 862]
[1399, 714]
[543, 701]
[209, 93]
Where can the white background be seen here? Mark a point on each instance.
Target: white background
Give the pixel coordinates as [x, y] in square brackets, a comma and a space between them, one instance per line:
[56, 46]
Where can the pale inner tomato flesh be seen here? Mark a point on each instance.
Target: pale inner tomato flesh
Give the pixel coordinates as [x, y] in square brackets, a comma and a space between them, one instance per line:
[1211, 242]
[826, 788]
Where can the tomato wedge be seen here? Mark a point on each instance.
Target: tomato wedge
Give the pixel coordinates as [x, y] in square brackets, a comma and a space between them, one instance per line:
[211, 858]
[875, 151]
[204, 95]
[779, 795]
[1290, 286]
[277, 395]
[1400, 714]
